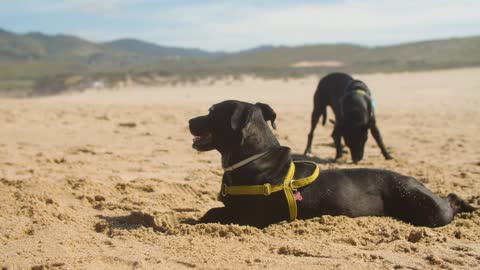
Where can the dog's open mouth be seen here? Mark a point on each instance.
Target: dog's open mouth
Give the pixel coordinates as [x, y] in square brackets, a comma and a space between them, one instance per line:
[203, 142]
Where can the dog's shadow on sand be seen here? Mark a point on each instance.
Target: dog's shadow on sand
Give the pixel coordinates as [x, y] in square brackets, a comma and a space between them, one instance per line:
[134, 220]
[300, 157]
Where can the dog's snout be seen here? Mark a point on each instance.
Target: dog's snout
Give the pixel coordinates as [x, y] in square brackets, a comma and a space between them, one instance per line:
[191, 123]
[198, 125]
[356, 157]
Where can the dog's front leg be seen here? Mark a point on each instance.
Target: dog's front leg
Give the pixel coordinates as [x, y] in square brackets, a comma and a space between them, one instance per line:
[217, 215]
[378, 138]
[337, 139]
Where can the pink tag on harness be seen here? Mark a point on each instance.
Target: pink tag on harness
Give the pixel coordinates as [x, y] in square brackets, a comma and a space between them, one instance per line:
[298, 196]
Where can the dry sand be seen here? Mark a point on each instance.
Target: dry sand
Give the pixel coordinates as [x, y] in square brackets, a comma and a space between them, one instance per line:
[108, 180]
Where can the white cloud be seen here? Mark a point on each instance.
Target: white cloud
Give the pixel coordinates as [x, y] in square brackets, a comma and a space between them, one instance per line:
[233, 25]
[372, 22]
[97, 7]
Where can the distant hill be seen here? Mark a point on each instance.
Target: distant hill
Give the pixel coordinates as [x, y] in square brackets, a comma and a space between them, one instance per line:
[36, 55]
[40, 47]
[258, 49]
[147, 49]
[285, 56]
[26, 59]
[446, 53]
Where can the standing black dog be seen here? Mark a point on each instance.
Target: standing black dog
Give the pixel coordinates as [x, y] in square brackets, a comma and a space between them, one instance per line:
[251, 156]
[351, 102]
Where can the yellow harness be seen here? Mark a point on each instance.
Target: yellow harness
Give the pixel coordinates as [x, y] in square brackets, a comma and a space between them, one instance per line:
[361, 92]
[289, 185]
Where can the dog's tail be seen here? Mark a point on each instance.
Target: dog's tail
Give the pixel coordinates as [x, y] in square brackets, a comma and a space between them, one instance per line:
[459, 205]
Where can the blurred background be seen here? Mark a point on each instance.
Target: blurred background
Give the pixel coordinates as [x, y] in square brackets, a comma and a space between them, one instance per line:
[49, 47]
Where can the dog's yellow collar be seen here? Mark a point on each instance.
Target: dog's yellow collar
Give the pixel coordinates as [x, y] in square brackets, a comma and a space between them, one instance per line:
[289, 185]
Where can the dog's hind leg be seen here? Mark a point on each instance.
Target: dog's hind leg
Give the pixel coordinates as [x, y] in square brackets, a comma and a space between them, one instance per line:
[414, 203]
[458, 204]
[317, 112]
[378, 138]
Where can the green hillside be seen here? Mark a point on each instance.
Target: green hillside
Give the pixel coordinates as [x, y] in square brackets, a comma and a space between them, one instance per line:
[446, 53]
[26, 60]
[147, 49]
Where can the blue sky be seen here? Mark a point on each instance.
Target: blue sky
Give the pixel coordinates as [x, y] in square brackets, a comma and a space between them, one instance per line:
[234, 25]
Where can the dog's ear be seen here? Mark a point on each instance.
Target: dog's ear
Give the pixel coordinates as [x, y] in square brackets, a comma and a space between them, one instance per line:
[268, 113]
[240, 117]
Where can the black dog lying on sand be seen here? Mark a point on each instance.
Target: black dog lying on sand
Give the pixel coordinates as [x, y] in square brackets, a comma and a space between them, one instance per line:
[351, 102]
[258, 187]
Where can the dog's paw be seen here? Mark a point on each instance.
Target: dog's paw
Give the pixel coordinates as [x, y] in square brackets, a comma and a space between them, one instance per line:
[308, 154]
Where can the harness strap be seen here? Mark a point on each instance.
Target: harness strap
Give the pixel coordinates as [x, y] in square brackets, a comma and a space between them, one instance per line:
[287, 188]
[361, 92]
[289, 185]
[244, 162]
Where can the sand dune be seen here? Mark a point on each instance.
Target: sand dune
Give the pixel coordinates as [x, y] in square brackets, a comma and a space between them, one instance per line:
[108, 179]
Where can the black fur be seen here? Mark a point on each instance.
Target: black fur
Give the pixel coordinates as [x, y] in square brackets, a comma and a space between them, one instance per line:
[354, 114]
[239, 130]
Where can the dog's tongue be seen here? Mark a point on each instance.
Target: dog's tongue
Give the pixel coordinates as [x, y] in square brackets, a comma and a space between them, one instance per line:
[200, 137]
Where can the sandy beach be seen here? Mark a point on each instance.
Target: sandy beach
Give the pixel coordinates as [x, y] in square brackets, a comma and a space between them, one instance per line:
[107, 179]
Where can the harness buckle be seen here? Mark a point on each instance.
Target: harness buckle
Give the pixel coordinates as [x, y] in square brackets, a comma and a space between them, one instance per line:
[267, 190]
[290, 185]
